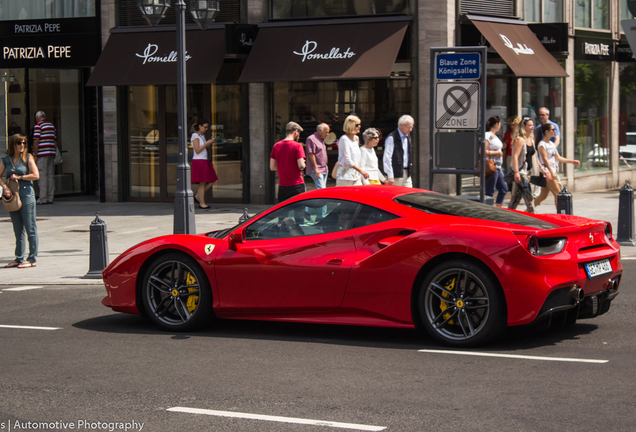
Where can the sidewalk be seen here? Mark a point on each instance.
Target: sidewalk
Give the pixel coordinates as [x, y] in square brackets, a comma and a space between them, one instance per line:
[64, 231]
[64, 235]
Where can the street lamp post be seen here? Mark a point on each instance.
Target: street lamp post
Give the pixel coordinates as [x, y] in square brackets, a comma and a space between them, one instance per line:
[203, 11]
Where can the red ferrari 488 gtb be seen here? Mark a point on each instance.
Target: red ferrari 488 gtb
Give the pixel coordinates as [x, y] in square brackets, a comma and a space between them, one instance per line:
[377, 256]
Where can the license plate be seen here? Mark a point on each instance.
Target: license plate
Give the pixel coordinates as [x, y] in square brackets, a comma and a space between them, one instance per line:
[598, 268]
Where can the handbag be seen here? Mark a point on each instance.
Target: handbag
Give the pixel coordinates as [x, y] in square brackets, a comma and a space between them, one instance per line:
[334, 171]
[539, 180]
[58, 156]
[491, 167]
[14, 203]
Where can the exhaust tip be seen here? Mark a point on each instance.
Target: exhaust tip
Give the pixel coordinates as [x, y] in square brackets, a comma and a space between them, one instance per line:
[612, 286]
[578, 295]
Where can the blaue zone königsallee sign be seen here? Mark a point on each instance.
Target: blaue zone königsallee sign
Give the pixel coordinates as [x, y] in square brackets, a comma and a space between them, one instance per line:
[457, 66]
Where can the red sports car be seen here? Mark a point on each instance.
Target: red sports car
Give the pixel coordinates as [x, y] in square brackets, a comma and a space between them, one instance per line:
[377, 256]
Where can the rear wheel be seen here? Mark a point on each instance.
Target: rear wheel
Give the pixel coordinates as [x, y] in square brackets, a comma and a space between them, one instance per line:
[461, 305]
[176, 293]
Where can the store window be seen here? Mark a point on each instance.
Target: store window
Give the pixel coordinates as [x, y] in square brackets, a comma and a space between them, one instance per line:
[378, 103]
[591, 14]
[322, 8]
[625, 13]
[12, 10]
[58, 93]
[592, 146]
[543, 10]
[538, 93]
[627, 117]
[153, 147]
[497, 95]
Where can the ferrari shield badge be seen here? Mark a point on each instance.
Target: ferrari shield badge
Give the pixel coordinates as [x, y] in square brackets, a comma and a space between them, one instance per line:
[209, 248]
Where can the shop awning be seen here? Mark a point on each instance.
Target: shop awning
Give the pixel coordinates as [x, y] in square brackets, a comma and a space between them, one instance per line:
[150, 58]
[325, 50]
[519, 48]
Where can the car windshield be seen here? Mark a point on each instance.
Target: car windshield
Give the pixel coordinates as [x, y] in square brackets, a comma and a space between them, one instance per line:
[446, 205]
[222, 233]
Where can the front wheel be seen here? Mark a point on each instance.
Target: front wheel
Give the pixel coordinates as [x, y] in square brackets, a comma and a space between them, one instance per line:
[461, 305]
[176, 293]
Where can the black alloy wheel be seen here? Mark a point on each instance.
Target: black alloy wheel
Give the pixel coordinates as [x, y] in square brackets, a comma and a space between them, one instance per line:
[176, 293]
[462, 305]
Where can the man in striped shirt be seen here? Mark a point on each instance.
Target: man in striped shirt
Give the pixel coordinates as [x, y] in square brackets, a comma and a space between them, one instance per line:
[44, 144]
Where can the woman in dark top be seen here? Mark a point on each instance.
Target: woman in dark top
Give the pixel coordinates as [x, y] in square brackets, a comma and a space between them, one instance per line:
[20, 166]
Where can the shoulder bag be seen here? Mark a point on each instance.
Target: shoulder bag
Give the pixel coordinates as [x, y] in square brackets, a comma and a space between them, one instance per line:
[14, 203]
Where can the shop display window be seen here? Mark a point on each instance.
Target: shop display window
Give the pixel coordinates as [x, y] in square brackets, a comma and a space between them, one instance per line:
[378, 103]
[38, 9]
[592, 146]
[627, 116]
[538, 93]
[153, 149]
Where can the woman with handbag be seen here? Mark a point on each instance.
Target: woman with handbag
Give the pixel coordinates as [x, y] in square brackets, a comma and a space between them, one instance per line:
[549, 158]
[21, 168]
[522, 146]
[349, 155]
[202, 168]
[494, 151]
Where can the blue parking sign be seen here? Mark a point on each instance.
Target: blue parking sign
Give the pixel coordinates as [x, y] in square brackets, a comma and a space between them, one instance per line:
[464, 65]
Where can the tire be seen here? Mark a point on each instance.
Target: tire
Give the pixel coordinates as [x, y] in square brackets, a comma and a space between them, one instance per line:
[464, 314]
[176, 293]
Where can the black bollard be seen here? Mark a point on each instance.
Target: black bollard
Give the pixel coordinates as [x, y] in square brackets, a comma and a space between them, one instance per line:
[245, 217]
[98, 259]
[625, 233]
[564, 202]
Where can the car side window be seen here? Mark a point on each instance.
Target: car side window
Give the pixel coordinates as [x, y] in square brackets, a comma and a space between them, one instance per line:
[304, 218]
[370, 215]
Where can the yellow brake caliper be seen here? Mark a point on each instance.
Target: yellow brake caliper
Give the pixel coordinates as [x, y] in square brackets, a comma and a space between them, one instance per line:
[443, 305]
[193, 299]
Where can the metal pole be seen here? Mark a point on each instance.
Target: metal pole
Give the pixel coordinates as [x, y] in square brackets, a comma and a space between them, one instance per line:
[183, 198]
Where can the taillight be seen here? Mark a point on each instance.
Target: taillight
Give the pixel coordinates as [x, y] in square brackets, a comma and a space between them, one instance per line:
[542, 246]
[532, 244]
[608, 231]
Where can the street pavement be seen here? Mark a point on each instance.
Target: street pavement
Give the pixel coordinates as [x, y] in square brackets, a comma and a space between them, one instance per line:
[64, 231]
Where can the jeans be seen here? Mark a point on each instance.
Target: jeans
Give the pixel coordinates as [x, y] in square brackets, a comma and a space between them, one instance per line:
[497, 180]
[24, 228]
[321, 181]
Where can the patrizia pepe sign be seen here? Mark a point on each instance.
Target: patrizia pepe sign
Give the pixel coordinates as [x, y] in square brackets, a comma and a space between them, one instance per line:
[150, 55]
[308, 49]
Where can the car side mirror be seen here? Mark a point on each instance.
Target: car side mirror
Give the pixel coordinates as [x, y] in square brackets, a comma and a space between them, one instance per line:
[237, 237]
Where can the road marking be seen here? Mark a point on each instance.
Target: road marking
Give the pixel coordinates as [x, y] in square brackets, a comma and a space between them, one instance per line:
[514, 356]
[23, 288]
[628, 258]
[277, 419]
[29, 327]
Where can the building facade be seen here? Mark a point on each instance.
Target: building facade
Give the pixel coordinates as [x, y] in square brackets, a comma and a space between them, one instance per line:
[264, 63]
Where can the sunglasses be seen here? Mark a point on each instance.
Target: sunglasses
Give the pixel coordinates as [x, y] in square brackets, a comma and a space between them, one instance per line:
[375, 137]
[358, 125]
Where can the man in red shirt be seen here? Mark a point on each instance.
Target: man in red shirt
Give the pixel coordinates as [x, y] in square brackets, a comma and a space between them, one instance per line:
[288, 158]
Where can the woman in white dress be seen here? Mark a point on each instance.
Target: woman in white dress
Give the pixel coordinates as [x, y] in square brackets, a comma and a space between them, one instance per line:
[202, 171]
[368, 159]
[349, 171]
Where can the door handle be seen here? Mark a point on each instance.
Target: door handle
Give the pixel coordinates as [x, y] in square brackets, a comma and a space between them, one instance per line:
[335, 261]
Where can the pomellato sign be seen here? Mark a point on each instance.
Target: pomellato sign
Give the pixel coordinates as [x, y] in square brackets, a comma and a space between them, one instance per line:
[519, 49]
[307, 53]
[149, 55]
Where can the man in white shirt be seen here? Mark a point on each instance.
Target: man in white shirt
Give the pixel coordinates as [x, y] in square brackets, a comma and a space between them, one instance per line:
[398, 153]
